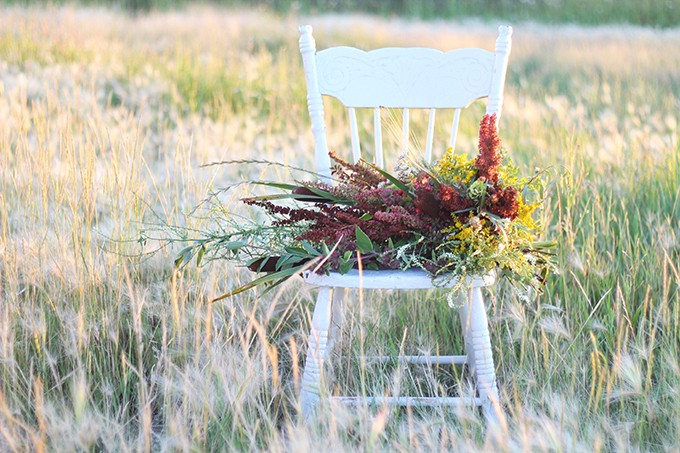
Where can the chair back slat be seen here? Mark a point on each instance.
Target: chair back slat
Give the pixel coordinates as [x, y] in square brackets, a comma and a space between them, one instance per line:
[379, 157]
[354, 132]
[405, 132]
[454, 128]
[430, 136]
[403, 78]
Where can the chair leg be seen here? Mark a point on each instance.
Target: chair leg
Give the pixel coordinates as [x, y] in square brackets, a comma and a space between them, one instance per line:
[338, 313]
[464, 314]
[316, 352]
[483, 370]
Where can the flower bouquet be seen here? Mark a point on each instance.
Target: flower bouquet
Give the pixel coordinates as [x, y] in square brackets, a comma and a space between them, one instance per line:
[455, 218]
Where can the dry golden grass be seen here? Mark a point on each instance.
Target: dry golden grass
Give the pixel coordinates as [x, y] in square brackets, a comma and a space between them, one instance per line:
[105, 121]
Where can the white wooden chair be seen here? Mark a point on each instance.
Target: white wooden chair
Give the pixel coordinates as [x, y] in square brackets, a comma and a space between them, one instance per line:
[402, 78]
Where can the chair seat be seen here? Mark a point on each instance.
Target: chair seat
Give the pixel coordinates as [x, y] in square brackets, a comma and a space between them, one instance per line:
[393, 279]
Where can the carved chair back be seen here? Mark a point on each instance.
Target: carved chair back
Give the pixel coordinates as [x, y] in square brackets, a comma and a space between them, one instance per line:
[402, 78]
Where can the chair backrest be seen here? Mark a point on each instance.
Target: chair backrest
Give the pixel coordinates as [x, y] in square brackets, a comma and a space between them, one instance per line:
[403, 78]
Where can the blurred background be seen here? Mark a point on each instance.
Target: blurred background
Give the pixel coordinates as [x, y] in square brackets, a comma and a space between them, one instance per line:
[655, 13]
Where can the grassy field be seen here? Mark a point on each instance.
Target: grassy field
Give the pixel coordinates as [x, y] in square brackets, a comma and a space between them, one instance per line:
[105, 121]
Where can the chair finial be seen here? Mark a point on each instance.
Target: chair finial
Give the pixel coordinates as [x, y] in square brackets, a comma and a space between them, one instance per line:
[307, 43]
[503, 42]
[502, 51]
[505, 31]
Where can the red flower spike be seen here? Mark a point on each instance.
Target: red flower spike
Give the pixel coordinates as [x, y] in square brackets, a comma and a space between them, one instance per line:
[360, 173]
[489, 159]
[505, 203]
[451, 201]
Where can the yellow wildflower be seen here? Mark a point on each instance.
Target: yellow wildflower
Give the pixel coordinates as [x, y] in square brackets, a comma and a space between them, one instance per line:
[524, 212]
[456, 168]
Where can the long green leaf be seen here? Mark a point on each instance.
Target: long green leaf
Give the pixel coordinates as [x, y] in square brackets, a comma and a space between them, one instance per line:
[278, 196]
[184, 255]
[278, 185]
[233, 245]
[286, 260]
[363, 241]
[299, 252]
[329, 196]
[302, 197]
[345, 267]
[199, 256]
[259, 281]
[543, 244]
[400, 185]
[280, 275]
[309, 249]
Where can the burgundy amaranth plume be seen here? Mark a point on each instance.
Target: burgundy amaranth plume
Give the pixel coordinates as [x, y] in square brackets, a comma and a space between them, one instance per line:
[489, 160]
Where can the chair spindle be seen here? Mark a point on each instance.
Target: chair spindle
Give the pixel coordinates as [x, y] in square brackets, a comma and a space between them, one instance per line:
[405, 132]
[454, 128]
[354, 132]
[430, 137]
[379, 158]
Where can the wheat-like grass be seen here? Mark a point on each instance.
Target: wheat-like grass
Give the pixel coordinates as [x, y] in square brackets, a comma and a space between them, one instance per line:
[105, 121]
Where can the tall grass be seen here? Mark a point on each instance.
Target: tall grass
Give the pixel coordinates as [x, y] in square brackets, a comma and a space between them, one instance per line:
[104, 123]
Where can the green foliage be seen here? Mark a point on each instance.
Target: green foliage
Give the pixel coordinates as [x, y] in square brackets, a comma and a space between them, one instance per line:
[652, 13]
[644, 12]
